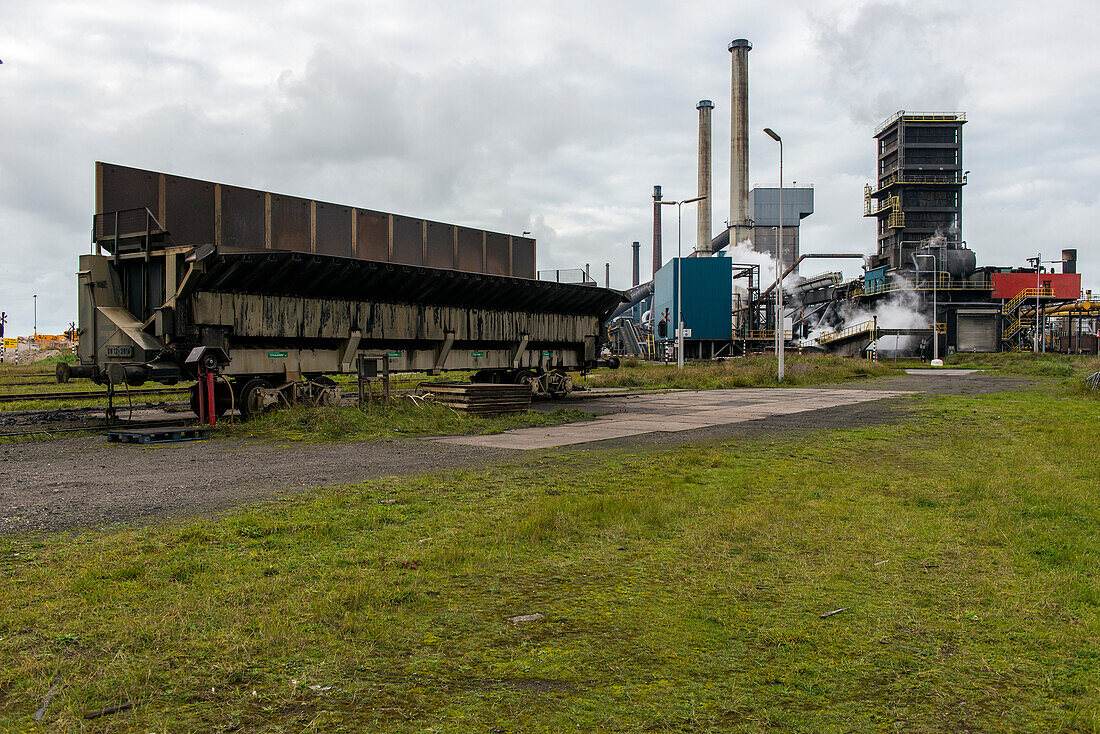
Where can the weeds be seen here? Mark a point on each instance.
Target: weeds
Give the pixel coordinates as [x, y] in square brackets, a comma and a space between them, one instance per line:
[760, 371]
[395, 418]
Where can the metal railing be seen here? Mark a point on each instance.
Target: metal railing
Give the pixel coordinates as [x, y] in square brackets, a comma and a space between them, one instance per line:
[921, 117]
[943, 282]
[576, 276]
[762, 334]
[860, 328]
[1012, 327]
[890, 202]
[902, 177]
[869, 327]
[1025, 294]
[125, 223]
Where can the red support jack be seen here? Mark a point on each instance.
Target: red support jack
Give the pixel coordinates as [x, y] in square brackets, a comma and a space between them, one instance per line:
[207, 414]
[213, 414]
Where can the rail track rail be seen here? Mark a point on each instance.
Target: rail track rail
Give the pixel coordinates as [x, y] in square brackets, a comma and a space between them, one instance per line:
[41, 429]
[120, 395]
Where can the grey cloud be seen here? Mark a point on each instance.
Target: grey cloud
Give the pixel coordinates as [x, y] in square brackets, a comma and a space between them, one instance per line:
[556, 119]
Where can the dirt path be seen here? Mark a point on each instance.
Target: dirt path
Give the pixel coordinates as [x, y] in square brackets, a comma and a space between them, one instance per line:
[84, 482]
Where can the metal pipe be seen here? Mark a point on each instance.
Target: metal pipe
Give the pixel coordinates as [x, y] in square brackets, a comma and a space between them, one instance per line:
[935, 317]
[703, 225]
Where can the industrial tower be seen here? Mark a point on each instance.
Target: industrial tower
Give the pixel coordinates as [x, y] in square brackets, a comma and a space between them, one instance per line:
[920, 180]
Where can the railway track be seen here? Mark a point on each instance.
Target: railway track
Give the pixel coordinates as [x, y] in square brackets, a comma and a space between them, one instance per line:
[120, 395]
[40, 429]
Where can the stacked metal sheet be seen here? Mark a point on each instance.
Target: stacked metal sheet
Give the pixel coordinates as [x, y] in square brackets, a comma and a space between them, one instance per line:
[480, 398]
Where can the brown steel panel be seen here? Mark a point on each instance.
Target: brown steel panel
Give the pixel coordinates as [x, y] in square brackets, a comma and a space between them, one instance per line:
[243, 218]
[408, 240]
[195, 213]
[124, 188]
[289, 223]
[469, 250]
[441, 246]
[334, 230]
[189, 210]
[523, 257]
[497, 260]
[373, 233]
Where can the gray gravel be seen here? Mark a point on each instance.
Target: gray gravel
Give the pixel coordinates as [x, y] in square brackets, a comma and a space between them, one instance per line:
[48, 486]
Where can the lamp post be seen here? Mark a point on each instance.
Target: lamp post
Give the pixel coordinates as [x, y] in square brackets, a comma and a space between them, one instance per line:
[1038, 260]
[779, 258]
[680, 280]
[1038, 289]
[935, 317]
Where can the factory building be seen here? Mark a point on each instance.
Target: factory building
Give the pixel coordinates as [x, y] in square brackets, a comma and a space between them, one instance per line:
[918, 194]
[707, 303]
[922, 291]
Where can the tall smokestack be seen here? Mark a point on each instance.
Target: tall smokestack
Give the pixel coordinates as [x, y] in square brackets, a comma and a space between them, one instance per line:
[607, 275]
[636, 272]
[703, 231]
[739, 142]
[657, 260]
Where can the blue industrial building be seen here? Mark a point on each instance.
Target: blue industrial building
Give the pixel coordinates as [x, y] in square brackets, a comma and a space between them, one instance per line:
[707, 303]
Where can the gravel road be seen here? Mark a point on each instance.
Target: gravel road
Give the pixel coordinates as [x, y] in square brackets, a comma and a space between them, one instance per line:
[47, 486]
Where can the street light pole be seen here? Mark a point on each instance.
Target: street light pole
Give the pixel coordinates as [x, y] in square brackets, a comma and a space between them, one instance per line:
[1038, 288]
[935, 318]
[680, 279]
[780, 330]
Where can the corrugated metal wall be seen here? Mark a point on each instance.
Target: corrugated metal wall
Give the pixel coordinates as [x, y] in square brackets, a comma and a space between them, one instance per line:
[708, 296]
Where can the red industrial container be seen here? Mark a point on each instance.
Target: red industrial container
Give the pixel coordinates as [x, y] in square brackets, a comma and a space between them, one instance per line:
[1062, 285]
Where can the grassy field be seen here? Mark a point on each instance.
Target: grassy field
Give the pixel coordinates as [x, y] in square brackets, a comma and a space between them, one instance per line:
[680, 590]
[1033, 365]
[759, 371]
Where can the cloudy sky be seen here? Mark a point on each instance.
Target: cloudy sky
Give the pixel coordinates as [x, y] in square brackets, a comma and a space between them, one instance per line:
[552, 117]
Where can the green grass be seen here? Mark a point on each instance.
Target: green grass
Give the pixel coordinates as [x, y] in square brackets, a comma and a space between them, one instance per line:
[40, 365]
[760, 371]
[401, 417]
[682, 591]
[1028, 364]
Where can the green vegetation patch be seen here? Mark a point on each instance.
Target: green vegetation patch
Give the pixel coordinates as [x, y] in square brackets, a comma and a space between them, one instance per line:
[1028, 364]
[400, 417]
[686, 589]
[759, 371]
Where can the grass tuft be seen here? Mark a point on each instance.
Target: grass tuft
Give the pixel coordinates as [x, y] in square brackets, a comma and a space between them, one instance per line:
[757, 371]
[396, 418]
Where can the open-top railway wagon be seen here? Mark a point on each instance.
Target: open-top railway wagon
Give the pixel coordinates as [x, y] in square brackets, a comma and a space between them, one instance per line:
[273, 322]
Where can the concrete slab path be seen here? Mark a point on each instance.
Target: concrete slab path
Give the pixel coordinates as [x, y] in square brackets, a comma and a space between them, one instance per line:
[679, 411]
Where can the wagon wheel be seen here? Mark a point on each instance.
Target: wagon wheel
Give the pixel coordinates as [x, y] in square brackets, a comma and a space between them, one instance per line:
[251, 401]
[329, 394]
[529, 378]
[560, 385]
[223, 398]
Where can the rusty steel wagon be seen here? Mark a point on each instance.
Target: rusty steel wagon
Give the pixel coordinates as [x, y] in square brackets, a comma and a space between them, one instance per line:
[272, 294]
